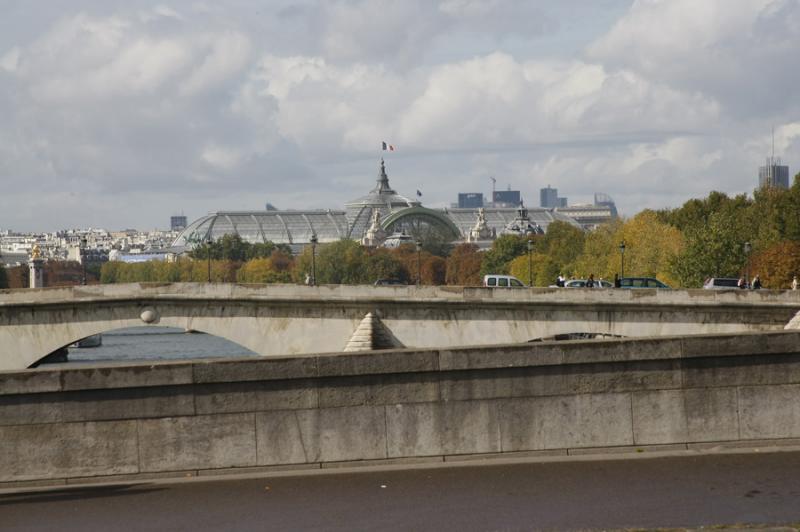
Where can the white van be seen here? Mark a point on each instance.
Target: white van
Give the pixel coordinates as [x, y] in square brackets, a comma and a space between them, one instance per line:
[502, 281]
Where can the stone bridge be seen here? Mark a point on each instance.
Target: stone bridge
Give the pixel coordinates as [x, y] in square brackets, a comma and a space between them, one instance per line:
[275, 320]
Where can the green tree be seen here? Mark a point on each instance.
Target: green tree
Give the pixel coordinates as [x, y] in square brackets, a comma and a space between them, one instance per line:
[505, 249]
[342, 262]
[713, 250]
[556, 253]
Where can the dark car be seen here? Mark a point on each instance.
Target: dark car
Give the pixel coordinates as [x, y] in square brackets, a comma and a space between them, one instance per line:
[641, 282]
[389, 282]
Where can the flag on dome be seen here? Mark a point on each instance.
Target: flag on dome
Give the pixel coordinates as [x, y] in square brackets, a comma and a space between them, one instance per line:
[389, 147]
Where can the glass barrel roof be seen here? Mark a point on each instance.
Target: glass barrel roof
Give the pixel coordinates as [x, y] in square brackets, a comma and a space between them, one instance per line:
[280, 227]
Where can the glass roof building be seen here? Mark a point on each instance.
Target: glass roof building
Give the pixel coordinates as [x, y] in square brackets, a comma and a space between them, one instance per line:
[398, 214]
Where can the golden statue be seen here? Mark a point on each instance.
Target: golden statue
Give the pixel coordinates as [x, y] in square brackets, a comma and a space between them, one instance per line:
[36, 253]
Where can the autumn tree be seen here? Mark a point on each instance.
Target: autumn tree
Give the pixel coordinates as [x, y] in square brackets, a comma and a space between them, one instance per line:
[463, 267]
[777, 264]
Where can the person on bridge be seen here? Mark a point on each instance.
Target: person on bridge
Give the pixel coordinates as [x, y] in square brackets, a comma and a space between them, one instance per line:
[794, 283]
[590, 281]
[756, 282]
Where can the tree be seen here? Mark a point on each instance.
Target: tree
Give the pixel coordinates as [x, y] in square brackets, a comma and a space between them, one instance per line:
[505, 249]
[713, 250]
[463, 267]
[3, 277]
[777, 264]
[556, 252]
[341, 262]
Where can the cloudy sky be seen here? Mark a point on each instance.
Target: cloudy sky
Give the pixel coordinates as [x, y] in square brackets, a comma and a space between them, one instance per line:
[120, 114]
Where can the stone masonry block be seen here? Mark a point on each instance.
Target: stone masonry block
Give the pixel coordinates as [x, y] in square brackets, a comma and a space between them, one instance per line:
[199, 442]
[255, 396]
[378, 362]
[378, 390]
[501, 356]
[458, 427]
[769, 411]
[503, 383]
[260, 369]
[622, 350]
[138, 375]
[712, 414]
[96, 405]
[321, 435]
[741, 371]
[658, 417]
[30, 381]
[31, 452]
[562, 422]
[622, 376]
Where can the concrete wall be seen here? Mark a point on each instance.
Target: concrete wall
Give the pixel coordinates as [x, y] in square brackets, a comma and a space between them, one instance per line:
[275, 319]
[80, 424]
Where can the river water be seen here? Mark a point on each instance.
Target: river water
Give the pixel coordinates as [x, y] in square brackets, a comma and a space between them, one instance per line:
[157, 343]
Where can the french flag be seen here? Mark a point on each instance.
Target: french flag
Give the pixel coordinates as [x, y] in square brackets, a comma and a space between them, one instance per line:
[387, 147]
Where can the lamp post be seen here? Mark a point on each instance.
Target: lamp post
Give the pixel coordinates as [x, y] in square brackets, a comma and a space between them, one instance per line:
[81, 253]
[747, 248]
[530, 263]
[419, 262]
[622, 259]
[208, 257]
[314, 259]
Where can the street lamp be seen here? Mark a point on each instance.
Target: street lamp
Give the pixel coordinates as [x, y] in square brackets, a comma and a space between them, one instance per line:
[314, 259]
[622, 259]
[530, 263]
[419, 262]
[208, 256]
[747, 248]
[81, 253]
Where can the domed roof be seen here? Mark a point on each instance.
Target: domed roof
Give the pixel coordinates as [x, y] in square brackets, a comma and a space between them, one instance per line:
[382, 195]
[382, 198]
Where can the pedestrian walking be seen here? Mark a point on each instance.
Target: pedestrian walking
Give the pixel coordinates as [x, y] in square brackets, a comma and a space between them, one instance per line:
[590, 281]
[794, 283]
[756, 282]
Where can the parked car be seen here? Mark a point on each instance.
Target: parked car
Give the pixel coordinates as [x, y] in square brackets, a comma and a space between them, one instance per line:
[502, 281]
[721, 283]
[641, 282]
[389, 282]
[581, 283]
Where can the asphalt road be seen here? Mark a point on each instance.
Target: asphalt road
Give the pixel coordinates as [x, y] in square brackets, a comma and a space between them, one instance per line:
[686, 491]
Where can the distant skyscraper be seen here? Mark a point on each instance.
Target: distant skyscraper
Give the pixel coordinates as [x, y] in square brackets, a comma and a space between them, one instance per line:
[548, 198]
[177, 223]
[773, 175]
[507, 198]
[470, 200]
[604, 200]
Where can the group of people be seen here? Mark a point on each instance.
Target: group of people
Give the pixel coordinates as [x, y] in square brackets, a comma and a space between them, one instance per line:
[755, 284]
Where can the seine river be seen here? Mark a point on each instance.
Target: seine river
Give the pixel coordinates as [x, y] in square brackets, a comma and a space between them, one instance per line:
[157, 343]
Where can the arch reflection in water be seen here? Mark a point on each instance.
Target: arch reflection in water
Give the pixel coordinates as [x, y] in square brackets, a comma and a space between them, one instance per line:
[157, 343]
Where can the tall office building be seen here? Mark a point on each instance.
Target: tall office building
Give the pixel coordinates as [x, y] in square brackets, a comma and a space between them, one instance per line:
[470, 200]
[773, 174]
[548, 198]
[507, 198]
[177, 223]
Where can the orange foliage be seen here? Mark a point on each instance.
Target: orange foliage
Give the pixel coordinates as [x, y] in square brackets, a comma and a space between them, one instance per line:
[777, 264]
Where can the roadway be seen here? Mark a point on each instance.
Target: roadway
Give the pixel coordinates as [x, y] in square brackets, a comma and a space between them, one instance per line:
[671, 491]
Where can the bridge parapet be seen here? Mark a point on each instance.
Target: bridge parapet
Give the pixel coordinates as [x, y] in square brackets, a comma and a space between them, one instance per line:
[275, 320]
[111, 422]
